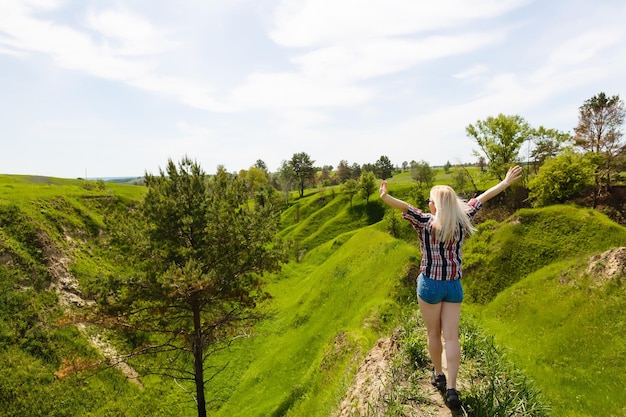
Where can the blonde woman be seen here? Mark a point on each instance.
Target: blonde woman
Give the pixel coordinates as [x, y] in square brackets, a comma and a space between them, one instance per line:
[441, 235]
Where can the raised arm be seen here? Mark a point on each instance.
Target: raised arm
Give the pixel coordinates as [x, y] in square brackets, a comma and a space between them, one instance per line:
[393, 202]
[512, 175]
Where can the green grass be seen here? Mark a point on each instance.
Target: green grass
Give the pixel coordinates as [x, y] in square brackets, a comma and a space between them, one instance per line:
[500, 254]
[329, 310]
[24, 188]
[562, 329]
[569, 333]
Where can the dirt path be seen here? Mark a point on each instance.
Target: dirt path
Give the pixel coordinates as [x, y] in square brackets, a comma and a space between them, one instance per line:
[370, 391]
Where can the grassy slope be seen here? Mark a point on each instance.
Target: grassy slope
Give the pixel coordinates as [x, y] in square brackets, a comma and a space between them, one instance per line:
[36, 215]
[501, 254]
[329, 310]
[564, 330]
[569, 335]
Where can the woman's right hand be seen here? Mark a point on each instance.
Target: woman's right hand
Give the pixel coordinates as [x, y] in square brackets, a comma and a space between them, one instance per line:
[383, 189]
[513, 174]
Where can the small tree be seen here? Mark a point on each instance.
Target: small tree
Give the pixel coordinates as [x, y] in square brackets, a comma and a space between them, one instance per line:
[343, 172]
[255, 178]
[325, 175]
[286, 178]
[303, 170]
[355, 171]
[202, 248]
[350, 187]
[599, 131]
[261, 165]
[548, 143]
[423, 173]
[459, 180]
[367, 185]
[561, 178]
[383, 168]
[500, 139]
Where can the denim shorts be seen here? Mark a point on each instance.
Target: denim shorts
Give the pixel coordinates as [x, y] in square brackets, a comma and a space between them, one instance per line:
[434, 291]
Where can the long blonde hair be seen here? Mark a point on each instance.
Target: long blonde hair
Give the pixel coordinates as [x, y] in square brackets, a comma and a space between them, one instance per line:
[450, 213]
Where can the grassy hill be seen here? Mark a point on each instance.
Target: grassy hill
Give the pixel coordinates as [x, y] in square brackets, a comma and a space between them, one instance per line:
[561, 321]
[501, 254]
[329, 310]
[345, 287]
[564, 325]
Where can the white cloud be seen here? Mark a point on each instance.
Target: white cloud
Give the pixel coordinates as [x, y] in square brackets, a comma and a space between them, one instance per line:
[387, 56]
[473, 73]
[130, 34]
[302, 23]
[294, 91]
[586, 46]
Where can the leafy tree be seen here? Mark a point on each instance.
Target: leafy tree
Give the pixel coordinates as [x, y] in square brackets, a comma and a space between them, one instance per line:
[203, 252]
[461, 177]
[367, 185]
[419, 195]
[446, 167]
[561, 178]
[459, 180]
[286, 178]
[303, 170]
[368, 167]
[548, 143]
[481, 163]
[255, 178]
[500, 139]
[423, 173]
[350, 187]
[343, 172]
[599, 131]
[325, 175]
[260, 164]
[355, 171]
[383, 167]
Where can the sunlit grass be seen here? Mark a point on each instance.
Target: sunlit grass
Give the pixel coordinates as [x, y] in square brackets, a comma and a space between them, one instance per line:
[569, 334]
[327, 318]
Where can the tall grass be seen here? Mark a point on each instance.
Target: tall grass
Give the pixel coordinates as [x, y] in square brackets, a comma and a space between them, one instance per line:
[497, 387]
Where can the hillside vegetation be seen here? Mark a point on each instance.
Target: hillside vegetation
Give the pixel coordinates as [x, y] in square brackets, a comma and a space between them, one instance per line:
[349, 283]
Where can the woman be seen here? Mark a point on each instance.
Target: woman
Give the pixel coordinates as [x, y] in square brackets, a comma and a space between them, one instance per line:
[441, 234]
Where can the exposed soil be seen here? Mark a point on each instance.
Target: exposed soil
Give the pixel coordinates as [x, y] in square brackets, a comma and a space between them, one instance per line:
[368, 395]
[67, 287]
[608, 265]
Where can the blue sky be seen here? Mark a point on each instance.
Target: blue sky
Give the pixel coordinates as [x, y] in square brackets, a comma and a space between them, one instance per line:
[103, 88]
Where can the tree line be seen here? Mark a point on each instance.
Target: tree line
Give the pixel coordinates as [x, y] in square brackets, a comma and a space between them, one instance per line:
[560, 165]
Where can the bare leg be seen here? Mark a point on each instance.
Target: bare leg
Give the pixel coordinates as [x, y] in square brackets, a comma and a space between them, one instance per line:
[431, 314]
[450, 316]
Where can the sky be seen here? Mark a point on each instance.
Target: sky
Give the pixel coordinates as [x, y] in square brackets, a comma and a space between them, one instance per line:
[116, 88]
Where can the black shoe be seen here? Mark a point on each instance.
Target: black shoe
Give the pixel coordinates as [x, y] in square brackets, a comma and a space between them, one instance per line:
[452, 400]
[438, 381]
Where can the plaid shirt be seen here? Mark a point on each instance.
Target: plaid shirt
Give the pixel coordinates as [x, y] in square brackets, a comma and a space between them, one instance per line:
[440, 260]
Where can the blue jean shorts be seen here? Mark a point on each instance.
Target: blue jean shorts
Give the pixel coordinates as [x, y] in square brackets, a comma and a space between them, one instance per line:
[434, 291]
